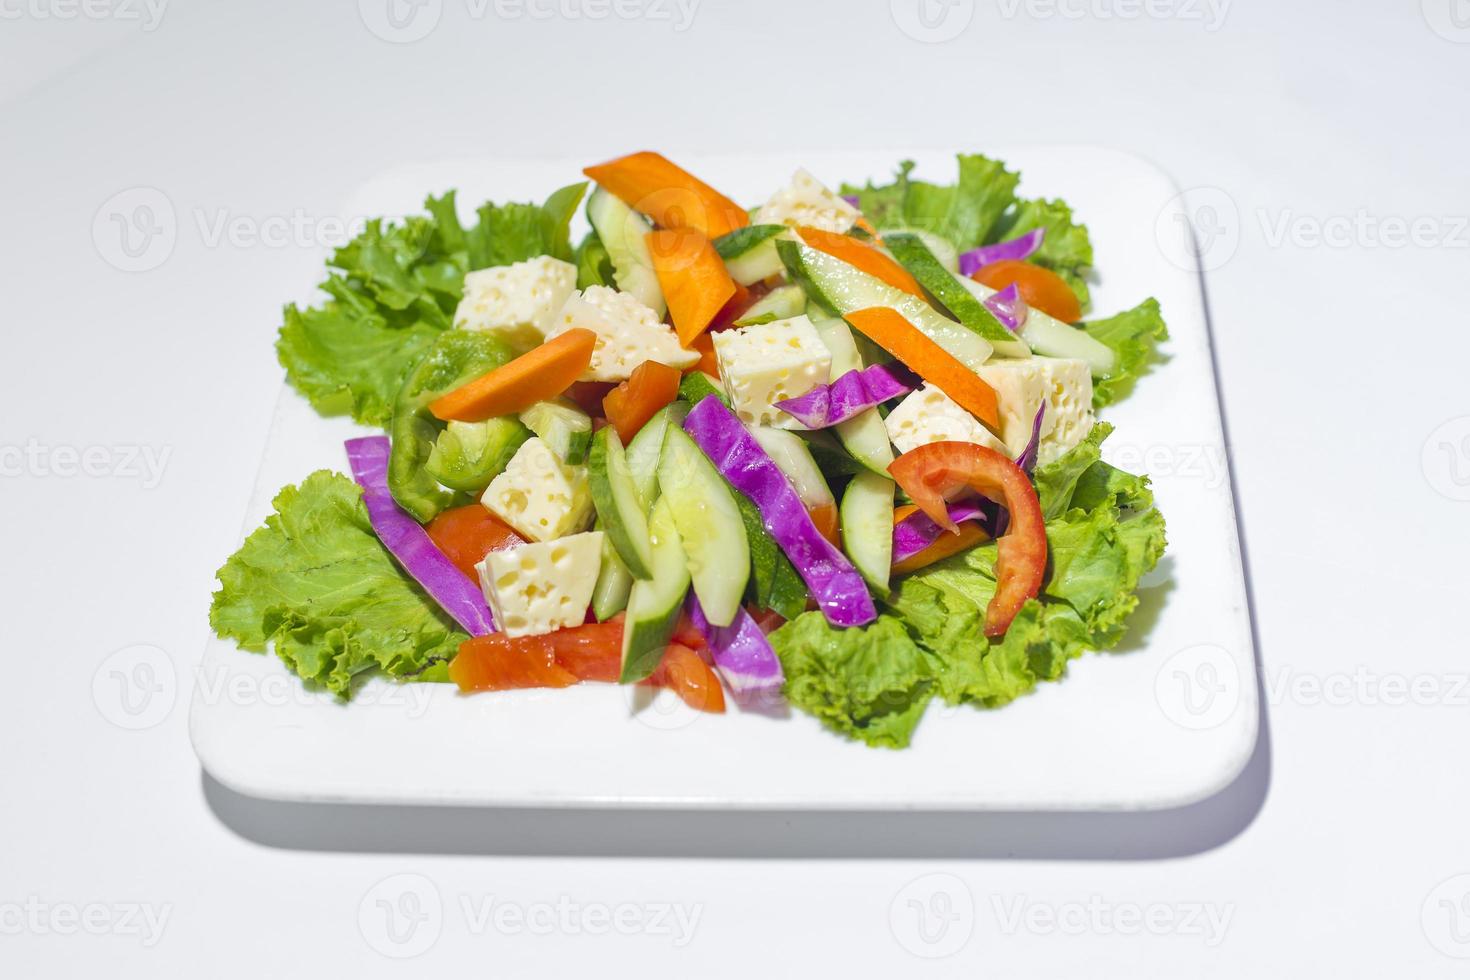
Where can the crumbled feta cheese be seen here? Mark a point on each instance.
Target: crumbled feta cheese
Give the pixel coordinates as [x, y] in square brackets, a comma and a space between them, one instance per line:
[516, 301]
[539, 495]
[769, 362]
[628, 333]
[929, 415]
[539, 587]
[1022, 385]
[806, 201]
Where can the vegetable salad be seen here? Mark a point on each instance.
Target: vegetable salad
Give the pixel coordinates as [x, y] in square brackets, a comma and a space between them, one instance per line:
[838, 450]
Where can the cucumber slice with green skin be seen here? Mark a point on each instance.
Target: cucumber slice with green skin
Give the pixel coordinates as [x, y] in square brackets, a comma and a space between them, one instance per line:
[1050, 337]
[829, 455]
[622, 231]
[697, 386]
[779, 304]
[618, 502]
[750, 252]
[468, 455]
[942, 248]
[864, 436]
[792, 457]
[841, 289]
[775, 583]
[614, 583]
[654, 604]
[565, 428]
[709, 525]
[647, 447]
[914, 255]
[867, 528]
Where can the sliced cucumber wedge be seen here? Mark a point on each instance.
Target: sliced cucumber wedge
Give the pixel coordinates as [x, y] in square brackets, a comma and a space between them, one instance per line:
[654, 604]
[614, 583]
[780, 303]
[864, 436]
[618, 503]
[867, 528]
[942, 248]
[697, 386]
[622, 231]
[1048, 336]
[841, 289]
[750, 252]
[790, 454]
[645, 449]
[914, 255]
[565, 428]
[709, 524]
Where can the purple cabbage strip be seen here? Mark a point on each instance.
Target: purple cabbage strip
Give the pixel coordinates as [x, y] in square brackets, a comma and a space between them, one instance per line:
[839, 590]
[1017, 248]
[410, 544]
[851, 199]
[918, 531]
[742, 655]
[852, 393]
[1027, 462]
[1009, 308]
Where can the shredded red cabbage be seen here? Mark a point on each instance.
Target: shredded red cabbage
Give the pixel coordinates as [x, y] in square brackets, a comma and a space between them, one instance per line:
[1009, 308]
[410, 544]
[1017, 248]
[851, 199]
[918, 531]
[742, 654]
[830, 577]
[854, 392]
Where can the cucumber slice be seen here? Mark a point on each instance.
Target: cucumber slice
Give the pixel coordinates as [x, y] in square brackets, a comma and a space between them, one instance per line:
[790, 454]
[942, 248]
[863, 436]
[622, 231]
[779, 304]
[709, 525]
[645, 449]
[750, 252]
[829, 455]
[867, 528]
[775, 583]
[614, 583]
[914, 255]
[468, 455]
[565, 428]
[1048, 336]
[618, 503]
[841, 289]
[654, 604]
[697, 386]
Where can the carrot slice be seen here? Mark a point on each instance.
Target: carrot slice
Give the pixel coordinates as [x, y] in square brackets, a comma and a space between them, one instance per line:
[693, 279]
[708, 363]
[861, 256]
[948, 543]
[888, 329]
[630, 405]
[542, 373]
[825, 518]
[670, 195]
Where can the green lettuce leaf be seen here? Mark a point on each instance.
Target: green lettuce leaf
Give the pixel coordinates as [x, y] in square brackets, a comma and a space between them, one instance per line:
[1066, 249]
[1133, 335]
[396, 288]
[315, 583]
[870, 683]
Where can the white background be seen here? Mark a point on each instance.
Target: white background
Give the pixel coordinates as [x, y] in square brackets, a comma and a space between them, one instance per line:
[1342, 359]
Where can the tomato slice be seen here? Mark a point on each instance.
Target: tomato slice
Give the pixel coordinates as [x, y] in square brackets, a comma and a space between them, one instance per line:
[631, 404]
[1041, 288]
[932, 473]
[502, 663]
[593, 652]
[467, 534]
[589, 395]
[686, 674]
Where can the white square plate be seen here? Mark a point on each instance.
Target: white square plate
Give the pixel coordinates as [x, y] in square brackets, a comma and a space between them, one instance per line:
[1166, 720]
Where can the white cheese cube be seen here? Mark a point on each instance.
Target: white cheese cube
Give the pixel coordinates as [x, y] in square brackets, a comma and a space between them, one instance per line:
[516, 301]
[628, 333]
[539, 495]
[806, 201]
[536, 588]
[769, 362]
[929, 415]
[1023, 385]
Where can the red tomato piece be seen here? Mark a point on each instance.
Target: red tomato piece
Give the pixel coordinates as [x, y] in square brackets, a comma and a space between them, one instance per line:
[467, 534]
[501, 663]
[686, 674]
[593, 652]
[1040, 288]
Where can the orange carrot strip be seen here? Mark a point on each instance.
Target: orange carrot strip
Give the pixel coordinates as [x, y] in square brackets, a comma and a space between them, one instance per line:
[670, 195]
[631, 404]
[825, 518]
[948, 543]
[888, 329]
[708, 363]
[861, 256]
[542, 373]
[693, 279]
